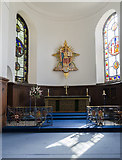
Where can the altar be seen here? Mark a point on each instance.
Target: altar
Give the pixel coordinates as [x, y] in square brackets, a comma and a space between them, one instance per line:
[68, 103]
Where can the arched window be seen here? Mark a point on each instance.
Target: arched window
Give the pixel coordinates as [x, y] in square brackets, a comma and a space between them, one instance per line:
[111, 49]
[21, 62]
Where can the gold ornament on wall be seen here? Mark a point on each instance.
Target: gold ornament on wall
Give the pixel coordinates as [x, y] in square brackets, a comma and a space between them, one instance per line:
[65, 57]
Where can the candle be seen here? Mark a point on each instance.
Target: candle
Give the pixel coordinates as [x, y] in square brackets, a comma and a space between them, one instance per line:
[87, 91]
[104, 92]
[48, 92]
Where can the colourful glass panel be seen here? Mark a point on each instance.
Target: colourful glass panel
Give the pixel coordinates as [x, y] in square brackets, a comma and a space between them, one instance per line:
[21, 61]
[111, 49]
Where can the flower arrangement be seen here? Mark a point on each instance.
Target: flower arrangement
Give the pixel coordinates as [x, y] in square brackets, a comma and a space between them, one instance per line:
[35, 92]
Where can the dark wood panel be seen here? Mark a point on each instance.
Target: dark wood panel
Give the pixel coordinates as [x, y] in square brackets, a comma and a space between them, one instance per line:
[18, 94]
[3, 100]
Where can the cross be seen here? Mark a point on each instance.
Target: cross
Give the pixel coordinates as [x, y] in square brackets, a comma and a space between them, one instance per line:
[66, 87]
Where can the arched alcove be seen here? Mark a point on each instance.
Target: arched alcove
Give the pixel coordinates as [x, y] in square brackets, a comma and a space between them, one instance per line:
[9, 74]
[32, 49]
[99, 47]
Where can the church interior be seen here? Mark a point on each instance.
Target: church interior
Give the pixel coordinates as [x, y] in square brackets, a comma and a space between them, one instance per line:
[60, 80]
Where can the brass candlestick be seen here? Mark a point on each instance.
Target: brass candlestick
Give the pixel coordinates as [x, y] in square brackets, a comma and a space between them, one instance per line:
[104, 96]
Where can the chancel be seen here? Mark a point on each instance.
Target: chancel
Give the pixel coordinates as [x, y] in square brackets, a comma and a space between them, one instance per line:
[60, 79]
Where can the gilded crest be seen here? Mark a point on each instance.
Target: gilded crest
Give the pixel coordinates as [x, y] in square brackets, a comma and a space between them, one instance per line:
[65, 57]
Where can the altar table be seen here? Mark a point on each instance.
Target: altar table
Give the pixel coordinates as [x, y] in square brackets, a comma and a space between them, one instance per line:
[68, 103]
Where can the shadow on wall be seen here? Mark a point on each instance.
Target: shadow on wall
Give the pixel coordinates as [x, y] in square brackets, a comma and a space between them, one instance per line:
[9, 74]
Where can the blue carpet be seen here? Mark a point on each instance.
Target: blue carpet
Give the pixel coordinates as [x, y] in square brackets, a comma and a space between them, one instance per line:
[69, 113]
[69, 116]
[65, 126]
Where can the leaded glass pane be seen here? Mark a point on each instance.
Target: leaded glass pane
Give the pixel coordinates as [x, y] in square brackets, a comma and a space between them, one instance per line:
[112, 72]
[20, 72]
[111, 49]
[21, 36]
[21, 62]
[20, 24]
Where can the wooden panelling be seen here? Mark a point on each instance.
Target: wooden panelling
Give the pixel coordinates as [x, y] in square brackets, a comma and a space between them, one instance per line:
[3, 100]
[18, 94]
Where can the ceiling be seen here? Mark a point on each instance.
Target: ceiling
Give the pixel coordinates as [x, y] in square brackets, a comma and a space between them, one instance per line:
[72, 10]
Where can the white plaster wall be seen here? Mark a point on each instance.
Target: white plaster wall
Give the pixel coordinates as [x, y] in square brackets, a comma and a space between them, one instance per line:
[46, 35]
[4, 30]
[12, 40]
[121, 41]
[0, 76]
[0, 39]
[79, 34]
[53, 35]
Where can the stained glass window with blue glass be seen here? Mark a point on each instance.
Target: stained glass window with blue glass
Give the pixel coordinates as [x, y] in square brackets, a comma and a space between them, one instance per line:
[111, 49]
[21, 58]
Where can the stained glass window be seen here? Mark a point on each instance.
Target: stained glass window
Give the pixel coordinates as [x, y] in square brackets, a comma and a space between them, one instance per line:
[21, 58]
[111, 49]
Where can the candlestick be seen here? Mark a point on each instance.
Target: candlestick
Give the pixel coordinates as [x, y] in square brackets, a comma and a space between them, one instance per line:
[48, 92]
[30, 105]
[104, 96]
[87, 90]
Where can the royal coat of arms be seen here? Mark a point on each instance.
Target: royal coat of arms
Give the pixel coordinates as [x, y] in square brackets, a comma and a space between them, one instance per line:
[65, 57]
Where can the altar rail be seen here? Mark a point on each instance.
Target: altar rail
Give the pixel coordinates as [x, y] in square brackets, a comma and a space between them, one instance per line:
[29, 116]
[97, 115]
